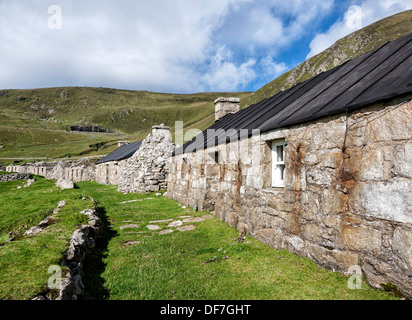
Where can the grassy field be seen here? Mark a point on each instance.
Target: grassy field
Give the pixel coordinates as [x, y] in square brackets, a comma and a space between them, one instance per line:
[24, 262]
[207, 263]
[173, 266]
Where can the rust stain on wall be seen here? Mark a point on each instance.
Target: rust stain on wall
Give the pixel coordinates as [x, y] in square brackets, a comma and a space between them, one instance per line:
[346, 173]
[296, 156]
[238, 170]
[222, 170]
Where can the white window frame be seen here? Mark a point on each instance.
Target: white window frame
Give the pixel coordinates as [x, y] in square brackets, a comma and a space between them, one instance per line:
[278, 176]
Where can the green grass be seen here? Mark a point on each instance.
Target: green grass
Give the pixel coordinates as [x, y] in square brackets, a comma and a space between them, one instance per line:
[160, 267]
[27, 206]
[170, 266]
[38, 142]
[24, 262]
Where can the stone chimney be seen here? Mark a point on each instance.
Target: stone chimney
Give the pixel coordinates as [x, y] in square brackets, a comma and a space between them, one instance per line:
[122, 143]
[223, 106]
[161, 131]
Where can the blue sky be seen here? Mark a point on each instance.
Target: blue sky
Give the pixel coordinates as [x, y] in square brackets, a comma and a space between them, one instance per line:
[179, 46]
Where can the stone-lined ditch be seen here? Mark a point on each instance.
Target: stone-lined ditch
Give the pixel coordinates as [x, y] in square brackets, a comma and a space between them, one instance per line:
[81, 243]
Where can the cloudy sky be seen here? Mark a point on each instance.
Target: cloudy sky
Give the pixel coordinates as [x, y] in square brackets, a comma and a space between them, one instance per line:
[179, 46]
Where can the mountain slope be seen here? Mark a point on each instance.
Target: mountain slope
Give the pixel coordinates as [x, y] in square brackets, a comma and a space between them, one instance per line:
[123, 111]
[349, 47]
[37, 123]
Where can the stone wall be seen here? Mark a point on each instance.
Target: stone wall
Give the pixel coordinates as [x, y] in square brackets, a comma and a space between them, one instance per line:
[80, 170]
[81, 244]
[347, 198]
[147, 170]
[15, 177]
[110, 173]
[224, 106]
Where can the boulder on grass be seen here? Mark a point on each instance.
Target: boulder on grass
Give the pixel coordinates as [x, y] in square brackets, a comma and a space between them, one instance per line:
[65, 184]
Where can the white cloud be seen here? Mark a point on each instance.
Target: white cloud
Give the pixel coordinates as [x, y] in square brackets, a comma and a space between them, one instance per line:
[225, 75]
[133, 44]
[273, 24]
[269, 28]
[271, 67]
[357, 17]
[169, 46]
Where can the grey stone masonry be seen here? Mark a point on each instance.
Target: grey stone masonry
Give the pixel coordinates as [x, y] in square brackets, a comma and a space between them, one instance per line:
[147, 170]
[224, 106]
[347, 194]
[15, 176]
[79, 170]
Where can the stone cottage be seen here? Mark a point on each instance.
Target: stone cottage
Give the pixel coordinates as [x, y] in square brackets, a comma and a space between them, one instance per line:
[109, 169]
[323, 169]
[147, 170]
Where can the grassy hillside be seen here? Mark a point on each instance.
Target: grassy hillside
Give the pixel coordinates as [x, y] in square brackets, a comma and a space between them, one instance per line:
[349, 47]
[36, 123]
[125, 111]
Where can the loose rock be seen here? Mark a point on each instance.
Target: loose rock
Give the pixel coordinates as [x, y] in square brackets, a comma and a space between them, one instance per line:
[130, 243]
[194, 219]
[165, 231]
[65, 184]
[186, 228]
[153, 227]
[175, 224]
[129, 226]
[161, 221]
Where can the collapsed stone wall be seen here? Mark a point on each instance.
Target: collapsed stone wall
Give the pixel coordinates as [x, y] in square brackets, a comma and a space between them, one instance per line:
[82, 242]
[147, 170]
[347, 199]
[15, 177]
[78, 170]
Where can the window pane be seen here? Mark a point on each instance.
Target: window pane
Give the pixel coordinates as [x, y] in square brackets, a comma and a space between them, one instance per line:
[279, 152]
[281, 172]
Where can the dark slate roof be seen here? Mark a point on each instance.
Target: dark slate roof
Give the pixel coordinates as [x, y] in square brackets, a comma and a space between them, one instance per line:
[377, 76]
[124, 152]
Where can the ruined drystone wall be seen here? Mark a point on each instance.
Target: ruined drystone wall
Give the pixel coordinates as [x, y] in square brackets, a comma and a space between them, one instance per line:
[110, 173]
[82, 242]
[147, 170]
[76, 171]
[347, 199]
[15, 177]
